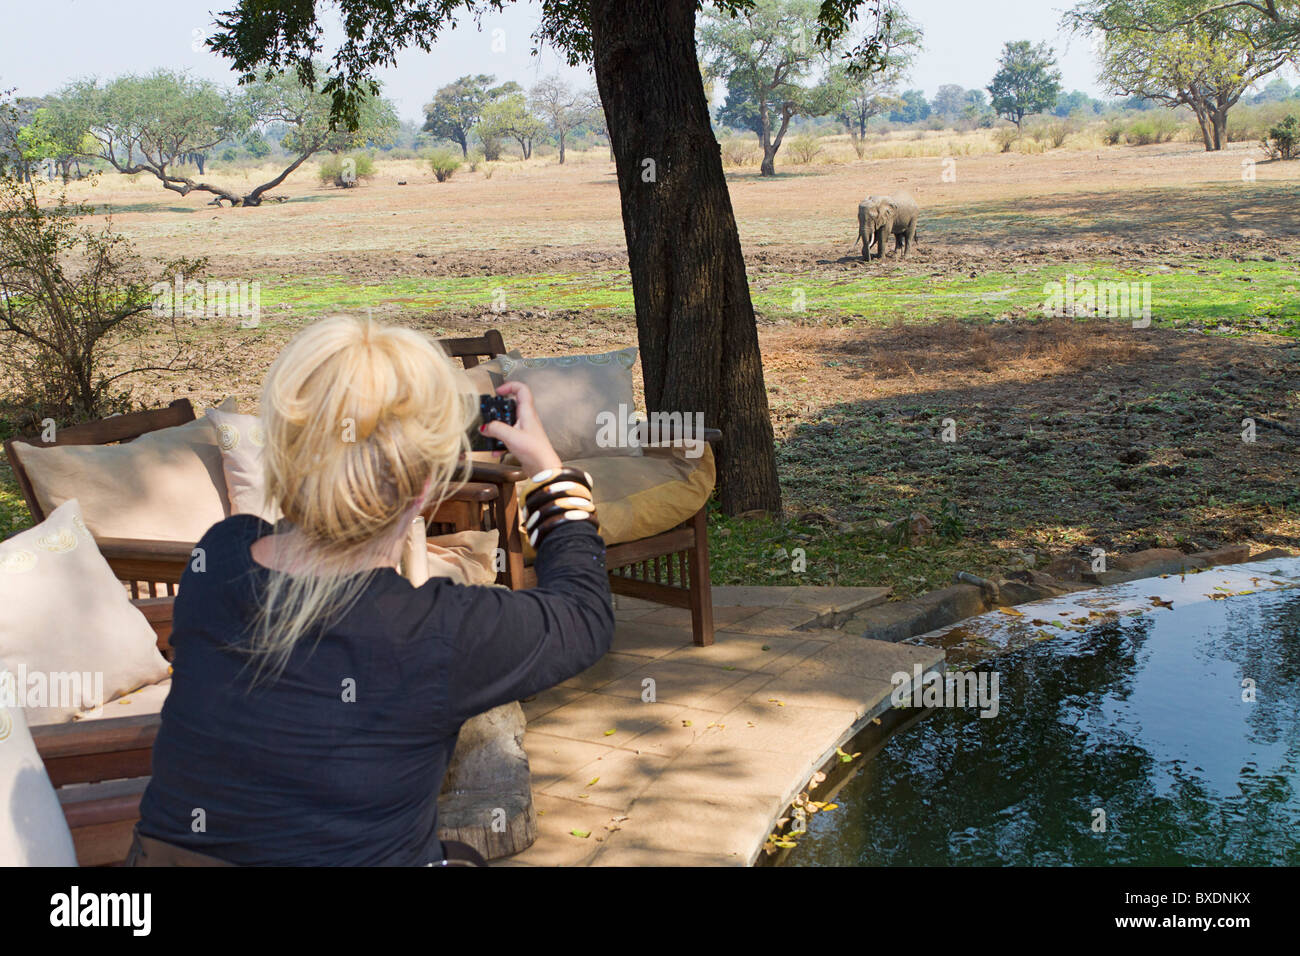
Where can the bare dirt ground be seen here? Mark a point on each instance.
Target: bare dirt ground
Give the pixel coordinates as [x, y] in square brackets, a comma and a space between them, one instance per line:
[1069, 434]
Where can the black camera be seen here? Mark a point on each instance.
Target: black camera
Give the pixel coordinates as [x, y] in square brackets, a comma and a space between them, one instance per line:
[492, 408]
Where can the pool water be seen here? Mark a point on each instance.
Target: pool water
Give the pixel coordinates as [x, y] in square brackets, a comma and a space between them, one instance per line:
[1141, 718]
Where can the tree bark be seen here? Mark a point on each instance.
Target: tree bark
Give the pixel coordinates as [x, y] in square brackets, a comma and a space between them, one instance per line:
[695, 320]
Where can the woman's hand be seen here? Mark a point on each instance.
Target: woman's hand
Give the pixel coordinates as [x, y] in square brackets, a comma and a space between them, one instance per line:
[526, 439]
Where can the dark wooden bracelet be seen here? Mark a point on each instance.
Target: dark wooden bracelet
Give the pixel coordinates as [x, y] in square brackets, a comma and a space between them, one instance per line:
[539, 533]
[558, 506]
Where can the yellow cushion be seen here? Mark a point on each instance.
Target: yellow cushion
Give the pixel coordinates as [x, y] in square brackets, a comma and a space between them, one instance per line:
[640, 497]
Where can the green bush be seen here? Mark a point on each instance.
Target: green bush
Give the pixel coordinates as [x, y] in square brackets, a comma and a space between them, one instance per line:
[444, 163]
[1006, 138]
[1145, 132]
[1283, 141]
[346, 171]
[1112, 133]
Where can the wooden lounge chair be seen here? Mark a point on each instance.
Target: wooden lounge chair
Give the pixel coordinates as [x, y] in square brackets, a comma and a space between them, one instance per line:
[671, 567]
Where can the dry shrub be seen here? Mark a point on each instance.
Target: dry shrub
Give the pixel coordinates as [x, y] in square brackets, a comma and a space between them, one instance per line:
[803, 149]
[739, 151]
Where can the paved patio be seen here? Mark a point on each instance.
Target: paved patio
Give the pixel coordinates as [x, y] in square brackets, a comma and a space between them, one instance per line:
[665, 753]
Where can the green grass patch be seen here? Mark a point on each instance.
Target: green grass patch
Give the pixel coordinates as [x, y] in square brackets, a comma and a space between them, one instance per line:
[1218, 295]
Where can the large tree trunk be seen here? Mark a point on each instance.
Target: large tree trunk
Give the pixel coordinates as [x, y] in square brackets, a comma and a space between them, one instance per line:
[1220, 119]
[695, 321]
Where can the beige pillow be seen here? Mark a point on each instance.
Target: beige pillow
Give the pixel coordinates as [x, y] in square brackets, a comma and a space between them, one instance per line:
[33, 830]
[484, 377]
[584, 401]
[166, 485]
[241, 439]
[466, 557]
[69, 633]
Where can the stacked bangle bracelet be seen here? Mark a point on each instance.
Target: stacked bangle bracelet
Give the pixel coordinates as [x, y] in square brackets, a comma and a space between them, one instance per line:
[554, 496]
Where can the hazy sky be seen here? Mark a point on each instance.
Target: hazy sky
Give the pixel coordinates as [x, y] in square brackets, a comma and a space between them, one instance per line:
[45, 43]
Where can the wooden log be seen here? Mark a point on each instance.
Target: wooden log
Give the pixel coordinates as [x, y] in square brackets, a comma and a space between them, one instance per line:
[487, 795]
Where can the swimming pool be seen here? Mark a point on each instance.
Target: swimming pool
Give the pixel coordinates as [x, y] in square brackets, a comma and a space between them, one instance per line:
[1127, 732]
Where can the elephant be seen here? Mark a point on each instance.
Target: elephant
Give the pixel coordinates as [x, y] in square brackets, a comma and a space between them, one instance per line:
[880, 216]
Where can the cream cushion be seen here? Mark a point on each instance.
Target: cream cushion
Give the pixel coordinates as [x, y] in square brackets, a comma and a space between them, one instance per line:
[241, 439]
[640, 497]
[68, 631]
[580, 399]
[140, 702]
[484, 377]
[166, 485]
[466, 557]
[33, 831]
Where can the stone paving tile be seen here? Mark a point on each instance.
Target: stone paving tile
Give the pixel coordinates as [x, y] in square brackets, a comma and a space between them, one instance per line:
[814, 684]
[730, 697]
[670, 737]
[548, 700]
[612, 780]
[716, 767]
[555, 844]
[838, 600]
[680, 617]
[880, 659]
[609, 668]
[736, 650]
[552, 758]
[590, 717]
[704, 825]
[631, 614]
[773, 620]
[615, 853]
[648, 640]
[783, 728]
[675, 682]
[800, 652]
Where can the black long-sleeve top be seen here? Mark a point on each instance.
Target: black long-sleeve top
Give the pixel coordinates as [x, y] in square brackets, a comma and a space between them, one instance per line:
[339, 759]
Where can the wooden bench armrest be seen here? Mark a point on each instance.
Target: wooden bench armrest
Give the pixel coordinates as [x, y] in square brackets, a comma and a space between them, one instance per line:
[495, 473]
[141, 549]
[88, 751]
[669, 434]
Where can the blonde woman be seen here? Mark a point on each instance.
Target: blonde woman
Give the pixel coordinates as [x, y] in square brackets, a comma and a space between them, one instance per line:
[316, 694]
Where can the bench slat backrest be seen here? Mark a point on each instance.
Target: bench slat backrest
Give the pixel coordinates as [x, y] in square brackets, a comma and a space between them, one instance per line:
[469, 351]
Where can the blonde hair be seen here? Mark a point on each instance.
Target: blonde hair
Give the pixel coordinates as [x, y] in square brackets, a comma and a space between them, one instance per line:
[364, 426]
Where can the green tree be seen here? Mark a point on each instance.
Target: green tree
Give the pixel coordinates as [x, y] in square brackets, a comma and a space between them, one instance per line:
[509, 117]
[912, 107]
[949, 101]
[767, 53]
[1150, 48]
[1077, 101]
[457, 107]
[695, 319]
[153, 124]
[1027, 81]
[859, 95]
